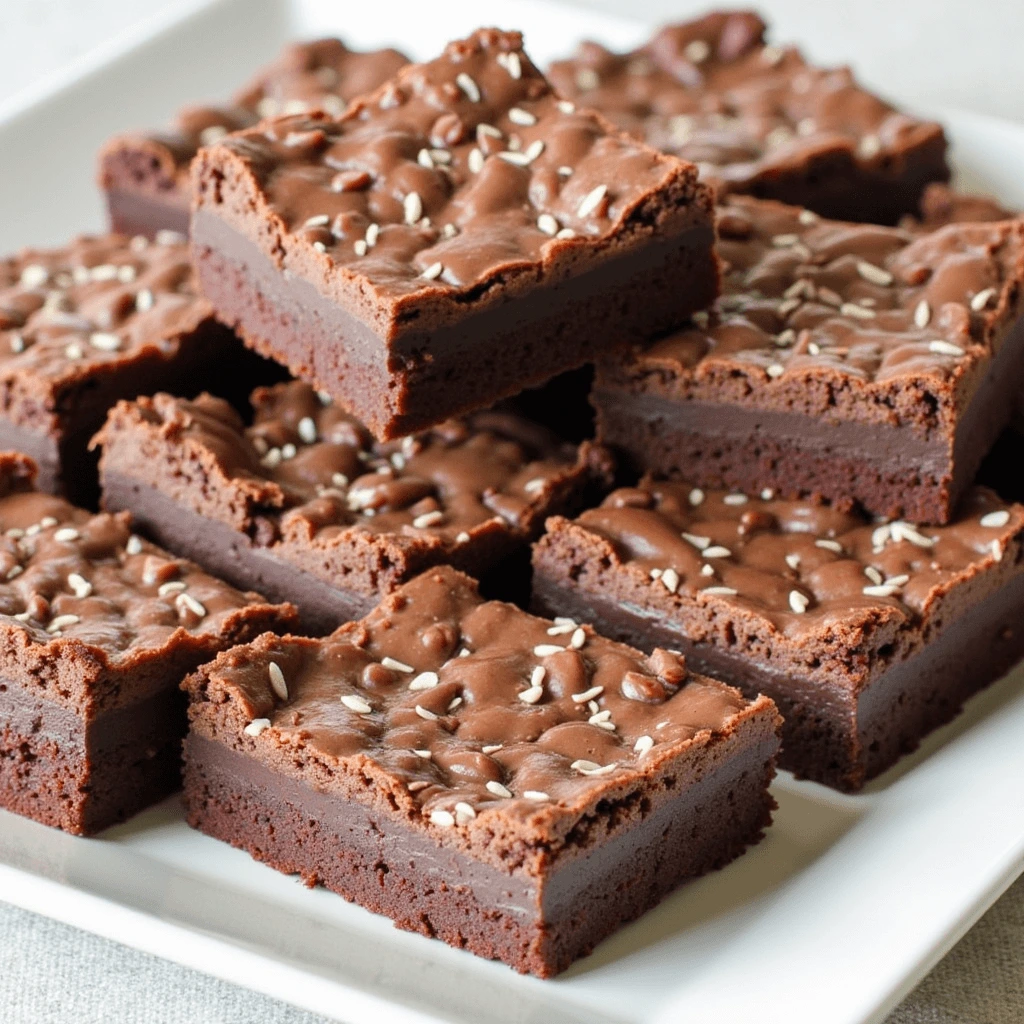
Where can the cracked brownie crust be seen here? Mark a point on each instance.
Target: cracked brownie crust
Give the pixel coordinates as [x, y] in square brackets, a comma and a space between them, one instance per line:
[145, 175]
[851, 362]
[514, 786]
[305, 506]
[97, 629]
[867, 634]
[457, 236]
[758, 119]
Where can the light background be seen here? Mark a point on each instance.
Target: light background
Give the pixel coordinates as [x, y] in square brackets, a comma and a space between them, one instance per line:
[964, 54]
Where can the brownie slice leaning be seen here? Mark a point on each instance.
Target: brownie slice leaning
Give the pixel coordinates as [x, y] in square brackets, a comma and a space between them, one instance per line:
[850, 362]
[98, 628]
[510, 785]
[866, 634]
[304, 506]
[758, 119]
[144, 175]
[455, 237]
[101, 319]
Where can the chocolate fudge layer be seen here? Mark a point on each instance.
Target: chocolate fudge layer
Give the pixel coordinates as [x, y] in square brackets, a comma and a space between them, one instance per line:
[513, 786]
[305, 506]
[866, 634]
[457, 236]
[83, 326]
[98, 628]
[851, 362]
[145, 175]
[759, 119]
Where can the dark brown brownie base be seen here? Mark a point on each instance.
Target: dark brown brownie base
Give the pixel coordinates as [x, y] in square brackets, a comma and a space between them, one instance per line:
[472, 363]
[889, 471]
[233, 557]
[829, 734]
[440, 893]
[82, 777]
[143, 213]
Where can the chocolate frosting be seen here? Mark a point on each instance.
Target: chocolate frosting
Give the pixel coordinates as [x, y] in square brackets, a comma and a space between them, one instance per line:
[827, 317]
[713, 92]
[305, 474]
[98, 304]
[454, 172]
[461, 709]
[75, 585]
[322, 74]
[800, 568]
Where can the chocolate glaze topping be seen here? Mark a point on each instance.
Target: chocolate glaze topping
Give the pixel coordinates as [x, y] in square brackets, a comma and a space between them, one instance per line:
[319, 75]
[454, 172]
[100, 302]
[846, 311]
[74, 584]
[463, 709]
[800, 567]
[305, 470]
[713, 92]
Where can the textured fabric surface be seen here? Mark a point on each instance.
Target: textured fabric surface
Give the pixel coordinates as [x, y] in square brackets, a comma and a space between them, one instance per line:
[52, 974]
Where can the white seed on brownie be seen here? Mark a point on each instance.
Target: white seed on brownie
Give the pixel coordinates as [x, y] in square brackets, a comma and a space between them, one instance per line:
[995, 519]
[945, 348]
[257, 726]
[591, 201]
[76, 581]
[670, 580]
[716, 551]
[277, 680]
[588, 695]
[395, 665]
[170, 587]
[443, 818]
[922, 314]
[425, 713]
[643, 745]
[982, 299]
[191, 604]
[798, 601]
[66, 535]
[468, 86]
[829, 545]
[585, 767]
[425, 681]
[497, 789]
[356, 703]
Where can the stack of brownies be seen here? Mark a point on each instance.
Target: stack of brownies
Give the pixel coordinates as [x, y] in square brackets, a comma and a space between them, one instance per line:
[792, 411]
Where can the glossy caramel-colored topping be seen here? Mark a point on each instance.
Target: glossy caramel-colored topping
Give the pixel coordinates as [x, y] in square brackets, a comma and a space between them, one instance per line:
[455, 172]
[98, 303]
[465, 708]
[858, 306]
[713, 92]
[74, 582]
[803, 567]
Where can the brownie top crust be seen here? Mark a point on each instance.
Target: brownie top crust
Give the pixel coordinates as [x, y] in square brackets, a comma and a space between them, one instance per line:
[69, 577]
[470, 714]
[713, 92]
[92, 307]
[799, 567]
[305, 468]
[831, 318]
[456, 174]
[322, 74]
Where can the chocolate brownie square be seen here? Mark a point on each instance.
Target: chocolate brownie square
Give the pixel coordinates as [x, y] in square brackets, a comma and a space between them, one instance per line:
[513, 786]
[457, 236]
[101, 319]
[304, 506]
[867, 634]
[850, 362]
[758, 119]
[97, 630]
[144, 175]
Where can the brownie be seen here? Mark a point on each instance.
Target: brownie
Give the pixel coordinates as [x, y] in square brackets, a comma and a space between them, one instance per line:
[760, 120]
[942, 205]
[513, 786]
[97, 630]
[144, 175]
[851, 362]
[101, 319]
[456, 237]
[867, 634]
[305, 506]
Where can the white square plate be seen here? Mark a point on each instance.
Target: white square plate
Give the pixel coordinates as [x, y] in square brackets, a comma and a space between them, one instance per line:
[842, 908]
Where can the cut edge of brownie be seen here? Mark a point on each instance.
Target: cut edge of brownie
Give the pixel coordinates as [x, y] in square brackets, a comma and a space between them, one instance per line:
[838, 731]
[511, 897]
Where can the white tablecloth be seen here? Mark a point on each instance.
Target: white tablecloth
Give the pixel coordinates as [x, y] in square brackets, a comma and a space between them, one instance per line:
[969, 57]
